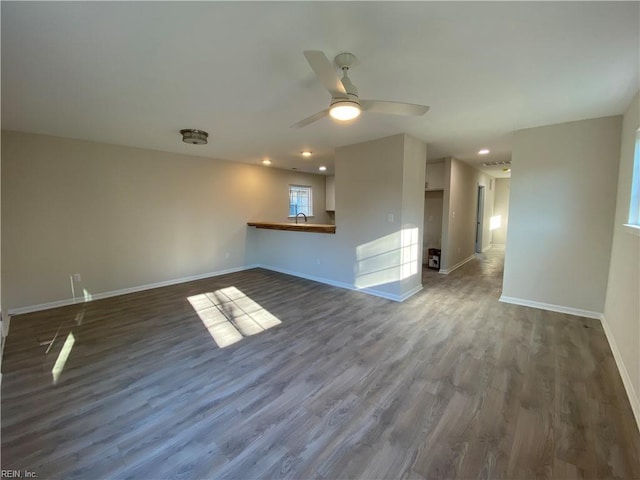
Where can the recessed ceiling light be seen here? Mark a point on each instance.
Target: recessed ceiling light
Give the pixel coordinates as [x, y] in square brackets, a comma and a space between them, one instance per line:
[484, 151]
[306, 153]
[322, 168]
[266, 161]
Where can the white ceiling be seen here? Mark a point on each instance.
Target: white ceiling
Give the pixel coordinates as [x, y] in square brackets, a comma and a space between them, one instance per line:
[136, 73]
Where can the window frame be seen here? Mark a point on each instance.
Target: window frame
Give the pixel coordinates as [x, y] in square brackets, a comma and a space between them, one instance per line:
[633, 218]
[309, 189]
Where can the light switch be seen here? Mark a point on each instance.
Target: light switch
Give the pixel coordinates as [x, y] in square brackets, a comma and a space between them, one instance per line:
[390, 217]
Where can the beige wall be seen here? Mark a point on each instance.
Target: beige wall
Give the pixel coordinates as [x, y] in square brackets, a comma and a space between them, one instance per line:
[413, 172]
[501, 207]
[622, 303]
[374, 179]
[563, 190]
[125, 217]
[460, 212]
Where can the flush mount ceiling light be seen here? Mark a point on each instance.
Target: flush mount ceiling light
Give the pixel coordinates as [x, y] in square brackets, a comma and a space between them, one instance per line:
[306, 153]
[484, 151]
[194, 137]
[266, 161]
[322, 168]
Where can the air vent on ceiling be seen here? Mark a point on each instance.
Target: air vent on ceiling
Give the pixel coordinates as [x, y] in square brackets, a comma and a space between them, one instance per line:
[497, 164]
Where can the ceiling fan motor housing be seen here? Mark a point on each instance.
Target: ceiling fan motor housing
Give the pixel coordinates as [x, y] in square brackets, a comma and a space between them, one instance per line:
[351, 99]
[345, 59]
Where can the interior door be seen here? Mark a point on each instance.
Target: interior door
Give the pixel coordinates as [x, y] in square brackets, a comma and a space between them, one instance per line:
[480, 219]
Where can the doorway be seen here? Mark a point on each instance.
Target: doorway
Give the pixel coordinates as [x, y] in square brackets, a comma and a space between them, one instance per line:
[432, 237]
[480, 219]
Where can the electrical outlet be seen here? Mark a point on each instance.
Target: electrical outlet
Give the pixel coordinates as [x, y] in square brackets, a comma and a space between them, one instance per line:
[77, 277]
[390, 217]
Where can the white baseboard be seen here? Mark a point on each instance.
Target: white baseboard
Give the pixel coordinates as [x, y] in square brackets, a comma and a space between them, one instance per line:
[6, 323]
[446, 271]
[140, 288]
[410, 293]
[551, 307]
[347, 286]
[124, 291]
[634, 400]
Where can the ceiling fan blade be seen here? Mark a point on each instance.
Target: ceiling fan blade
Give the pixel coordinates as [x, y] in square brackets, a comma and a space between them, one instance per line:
[325, 72]
[394, 108]
[311, 119]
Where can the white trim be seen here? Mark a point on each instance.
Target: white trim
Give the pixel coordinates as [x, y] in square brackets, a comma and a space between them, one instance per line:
[447, 271]
[411, 293]
[124, 291]
[347, 286]
[624, 374]
[551, 307]
[6, 323]
[632, 229]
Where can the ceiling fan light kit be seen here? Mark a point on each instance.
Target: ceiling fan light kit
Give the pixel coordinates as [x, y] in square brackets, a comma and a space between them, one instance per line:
[194, 137]
[344, 110]
[345, 102]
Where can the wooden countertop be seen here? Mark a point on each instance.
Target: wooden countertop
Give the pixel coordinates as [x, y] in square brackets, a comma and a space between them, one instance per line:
[295, 227]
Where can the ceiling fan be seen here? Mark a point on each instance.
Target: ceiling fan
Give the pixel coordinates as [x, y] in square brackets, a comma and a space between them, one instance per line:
[345, 103]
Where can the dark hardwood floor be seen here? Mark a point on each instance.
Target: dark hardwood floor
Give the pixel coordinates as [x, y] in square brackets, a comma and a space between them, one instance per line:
[314, 382]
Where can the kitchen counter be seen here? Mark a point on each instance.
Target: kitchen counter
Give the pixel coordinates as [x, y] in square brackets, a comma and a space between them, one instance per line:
[295, 227]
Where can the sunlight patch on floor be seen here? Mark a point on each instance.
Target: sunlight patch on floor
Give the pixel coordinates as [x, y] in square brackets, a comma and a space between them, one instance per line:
[229, 315]
[58, 367]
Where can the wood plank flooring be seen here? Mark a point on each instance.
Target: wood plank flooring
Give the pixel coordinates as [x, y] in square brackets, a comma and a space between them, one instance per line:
[449, 384]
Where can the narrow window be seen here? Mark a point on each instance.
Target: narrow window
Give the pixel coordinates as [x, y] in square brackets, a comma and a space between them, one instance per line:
[300, 200]
[634, 204]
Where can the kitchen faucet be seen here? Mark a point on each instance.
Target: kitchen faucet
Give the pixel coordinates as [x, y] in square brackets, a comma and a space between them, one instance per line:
[305, 217]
